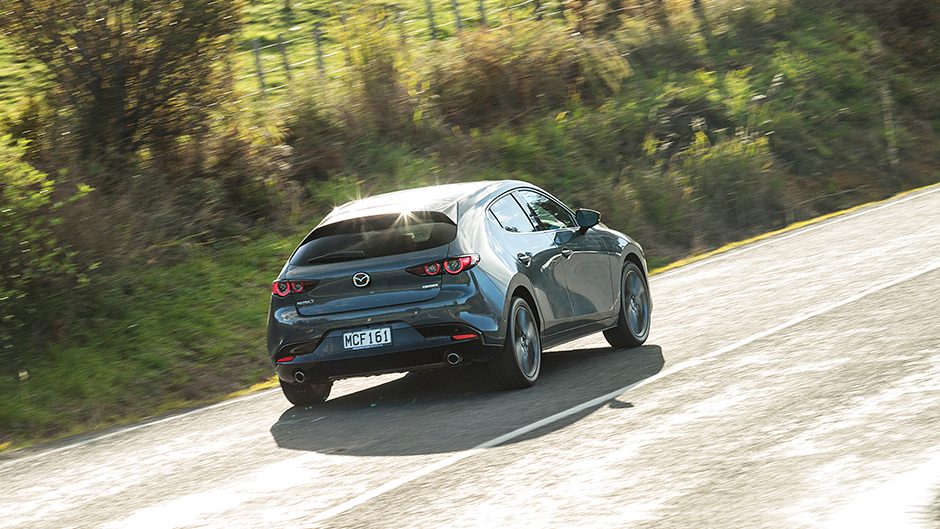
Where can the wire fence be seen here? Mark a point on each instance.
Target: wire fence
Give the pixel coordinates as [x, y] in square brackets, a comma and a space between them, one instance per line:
[321, 48]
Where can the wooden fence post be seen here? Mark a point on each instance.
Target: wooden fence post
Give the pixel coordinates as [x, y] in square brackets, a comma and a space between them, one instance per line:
[257, 52]
[482, 8]
[318, 40]
[285, 63]
[431, 23]
[347, 51]
[457, 20]
[509, 14]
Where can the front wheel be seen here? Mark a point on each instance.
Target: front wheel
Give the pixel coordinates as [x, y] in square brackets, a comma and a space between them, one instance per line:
[308, 393]
[517, 365]
[633, 326]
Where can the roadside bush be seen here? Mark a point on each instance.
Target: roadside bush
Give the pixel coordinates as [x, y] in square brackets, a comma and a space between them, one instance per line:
[34, 265]
[316, 142]
[710, 190]
[734, 183]
[376, 70]
[505, 74]
[128, 75]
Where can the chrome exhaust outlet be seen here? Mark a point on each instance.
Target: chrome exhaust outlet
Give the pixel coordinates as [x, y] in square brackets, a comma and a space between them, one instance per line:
[299, 377]
[454, 358]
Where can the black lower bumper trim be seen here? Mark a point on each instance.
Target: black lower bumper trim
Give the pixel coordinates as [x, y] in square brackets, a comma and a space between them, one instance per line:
[471, 351]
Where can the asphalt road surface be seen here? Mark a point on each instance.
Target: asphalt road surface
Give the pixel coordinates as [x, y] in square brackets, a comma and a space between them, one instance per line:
[792, 383]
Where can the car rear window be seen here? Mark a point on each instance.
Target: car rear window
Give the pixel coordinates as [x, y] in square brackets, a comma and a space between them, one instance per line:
[375, 236]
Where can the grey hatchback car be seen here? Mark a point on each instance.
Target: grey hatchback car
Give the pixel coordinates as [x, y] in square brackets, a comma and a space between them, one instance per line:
[447, 275]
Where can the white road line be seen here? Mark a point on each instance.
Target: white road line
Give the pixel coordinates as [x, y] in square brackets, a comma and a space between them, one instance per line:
[460, 456]
[799, 231]
[691, 266]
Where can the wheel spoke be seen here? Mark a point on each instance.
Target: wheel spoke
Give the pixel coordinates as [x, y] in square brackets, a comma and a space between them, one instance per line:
[632, 321]
[635, 283]
[522, 319]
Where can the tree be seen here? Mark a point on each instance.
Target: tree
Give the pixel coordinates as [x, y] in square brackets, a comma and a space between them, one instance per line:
[127, 73]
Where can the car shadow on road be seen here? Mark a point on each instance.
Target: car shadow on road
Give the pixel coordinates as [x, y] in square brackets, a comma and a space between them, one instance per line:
[457, 409]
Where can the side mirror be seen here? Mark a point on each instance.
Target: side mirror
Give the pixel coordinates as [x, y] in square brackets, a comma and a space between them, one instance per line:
[587, 218]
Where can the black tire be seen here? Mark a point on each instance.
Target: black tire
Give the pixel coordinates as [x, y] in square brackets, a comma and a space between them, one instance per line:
[633, 325]
[307, 394]
[518, 363]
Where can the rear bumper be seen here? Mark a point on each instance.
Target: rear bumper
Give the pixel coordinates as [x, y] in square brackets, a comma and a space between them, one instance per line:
[406, 355]
[461, 301]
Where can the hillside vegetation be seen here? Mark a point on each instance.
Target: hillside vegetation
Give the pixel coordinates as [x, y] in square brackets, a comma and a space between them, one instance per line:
[149, 196]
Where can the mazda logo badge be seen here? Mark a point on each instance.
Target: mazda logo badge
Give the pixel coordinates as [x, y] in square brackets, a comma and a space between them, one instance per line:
[361, 279]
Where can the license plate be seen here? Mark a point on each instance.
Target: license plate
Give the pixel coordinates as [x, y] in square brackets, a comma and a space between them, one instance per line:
[367, 338]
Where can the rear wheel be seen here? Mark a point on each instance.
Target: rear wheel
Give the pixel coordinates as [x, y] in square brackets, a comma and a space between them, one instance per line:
[517, 365]
[633, 326]
[308, 393]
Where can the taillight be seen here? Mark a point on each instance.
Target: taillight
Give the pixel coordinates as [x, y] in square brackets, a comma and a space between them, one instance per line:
[432, 269]
[458, 264]
[283, 288]
[451, 265]
[280, 288]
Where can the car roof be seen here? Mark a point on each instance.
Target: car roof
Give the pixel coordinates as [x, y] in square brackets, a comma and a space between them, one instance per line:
[441, 198]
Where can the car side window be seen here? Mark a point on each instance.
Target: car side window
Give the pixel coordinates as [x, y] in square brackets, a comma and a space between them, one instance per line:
[511, 216]
[550, 214]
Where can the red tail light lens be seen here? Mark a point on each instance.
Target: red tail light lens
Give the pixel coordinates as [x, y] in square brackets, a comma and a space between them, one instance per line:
[432, 269]
[282, 289]
[458, 264]
[451, 265]
[466, 336]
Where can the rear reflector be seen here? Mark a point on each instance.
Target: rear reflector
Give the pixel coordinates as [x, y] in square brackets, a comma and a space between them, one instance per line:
[458, 337]
[285, 359]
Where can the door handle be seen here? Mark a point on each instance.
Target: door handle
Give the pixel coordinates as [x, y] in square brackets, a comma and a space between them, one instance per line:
[566, 253]
[524, 258]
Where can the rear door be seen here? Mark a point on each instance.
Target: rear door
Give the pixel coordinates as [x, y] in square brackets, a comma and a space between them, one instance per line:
[535, 256]
[585, 264]
[362, 263]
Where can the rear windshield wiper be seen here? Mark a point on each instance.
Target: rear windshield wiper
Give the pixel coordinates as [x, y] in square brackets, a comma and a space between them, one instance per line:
[336, 256]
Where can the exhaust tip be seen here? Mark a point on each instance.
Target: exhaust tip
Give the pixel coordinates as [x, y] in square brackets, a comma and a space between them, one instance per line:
[454, 358]
[299, 377]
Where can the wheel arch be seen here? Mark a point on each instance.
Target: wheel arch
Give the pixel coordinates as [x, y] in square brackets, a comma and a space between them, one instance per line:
[632, 257]
[635, 256]
[519, 287]
[522, 292]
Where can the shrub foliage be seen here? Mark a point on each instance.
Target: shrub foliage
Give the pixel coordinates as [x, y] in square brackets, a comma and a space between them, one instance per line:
[34, 264]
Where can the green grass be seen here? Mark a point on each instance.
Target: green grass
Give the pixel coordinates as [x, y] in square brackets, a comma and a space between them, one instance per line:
[166, 337]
